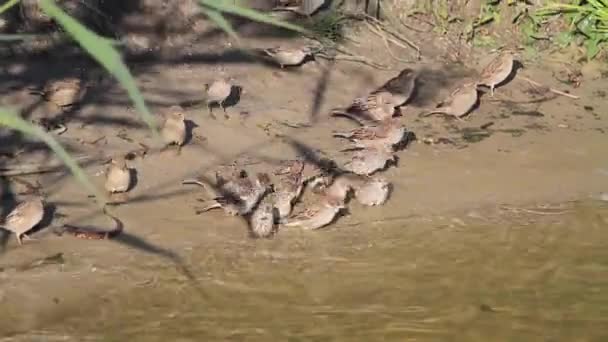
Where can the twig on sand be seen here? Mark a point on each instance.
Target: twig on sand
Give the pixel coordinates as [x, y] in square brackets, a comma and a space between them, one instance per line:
[386, 40]
[353, 58]
[555, 91]
[368, 18]
[546, 211]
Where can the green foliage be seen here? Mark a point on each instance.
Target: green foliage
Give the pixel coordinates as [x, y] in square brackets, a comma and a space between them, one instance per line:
[588, 21]
[8, 5]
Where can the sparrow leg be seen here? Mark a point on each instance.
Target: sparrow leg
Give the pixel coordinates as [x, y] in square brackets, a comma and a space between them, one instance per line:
[459, 118]
[27, 237]
[210, 111]
[19, 239]
[492, 91]
[224, 108]
[211, 205]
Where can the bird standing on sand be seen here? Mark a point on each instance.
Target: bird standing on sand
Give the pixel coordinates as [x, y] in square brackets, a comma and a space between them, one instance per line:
[497, 71]
[369, 160]
[323, 212]
[460, 102]
[63, 93]
[372, 191]
[24, 217]
[381, 104]
[388, 132]
[217, 92]
[173, 130]
[237, 196]
[288, 188]
[401, 87]
[288, 57]
[118, 176]
[262, 220]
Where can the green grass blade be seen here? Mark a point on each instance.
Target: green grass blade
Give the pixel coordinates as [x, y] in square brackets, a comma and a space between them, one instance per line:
[104, 53]
[17, 37]
[220, 21]
[7, 5]
[11, 119]
[225, 7]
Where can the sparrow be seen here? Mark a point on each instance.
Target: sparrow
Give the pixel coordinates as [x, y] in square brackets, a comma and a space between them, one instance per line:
[375, 107]
[369, 160]
[288, 57]
[262, 220]
[460, 102]
[63, 93]
[118, 176]
[314, 174]
[237, 196]
[317, 216]
[497, 71]
[217, 92]
[372, 191]
[24, 217]
[288, 188]
[388, 132]
[381, 104]
[331, 202]
[173, 130]
[400, 87]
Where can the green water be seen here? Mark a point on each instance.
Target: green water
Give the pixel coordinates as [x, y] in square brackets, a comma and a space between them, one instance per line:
[544, 278]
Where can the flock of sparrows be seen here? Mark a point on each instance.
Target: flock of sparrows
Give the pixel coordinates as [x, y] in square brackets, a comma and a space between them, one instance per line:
[268, 201]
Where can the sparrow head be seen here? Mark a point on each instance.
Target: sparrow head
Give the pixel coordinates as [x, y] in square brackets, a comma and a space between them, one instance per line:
[119, 161]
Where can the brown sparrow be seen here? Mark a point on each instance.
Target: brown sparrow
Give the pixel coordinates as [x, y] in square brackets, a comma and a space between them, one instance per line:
[262, 220]
[381, 104]
[497, 71]
[238, 196]
[118, 176]
[24, 217]
[400, 87]
[372, 191]
[217, 92]
[322, 213]
[313, 174]
[388, 132]
[63, 93]
[375, 107]
[288, 189]
[288, 57]
[317, 216]
[173, 130]
[460, 102]
[369, 160]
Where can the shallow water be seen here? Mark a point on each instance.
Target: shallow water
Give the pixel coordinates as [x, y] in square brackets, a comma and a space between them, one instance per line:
[538, 277]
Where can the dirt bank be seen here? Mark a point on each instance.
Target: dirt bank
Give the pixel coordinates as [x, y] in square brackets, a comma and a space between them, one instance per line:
[523, 147]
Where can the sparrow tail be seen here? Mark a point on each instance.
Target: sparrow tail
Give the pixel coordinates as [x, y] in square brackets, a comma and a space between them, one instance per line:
[344, 113]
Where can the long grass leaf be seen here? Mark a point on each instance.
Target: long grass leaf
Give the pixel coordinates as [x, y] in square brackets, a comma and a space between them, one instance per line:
[220, 21]
[11, 119]
[7, 5]
[104, 53]
[225, 7]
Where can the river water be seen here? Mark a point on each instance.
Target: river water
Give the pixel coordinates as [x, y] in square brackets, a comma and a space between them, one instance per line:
[528, 275]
